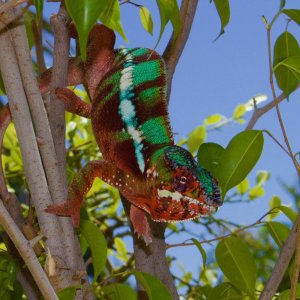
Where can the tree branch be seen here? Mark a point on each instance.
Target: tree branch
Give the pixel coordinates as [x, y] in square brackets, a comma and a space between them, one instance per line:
[27, 253]
[175, 48]
[31, 157]
[293, 241]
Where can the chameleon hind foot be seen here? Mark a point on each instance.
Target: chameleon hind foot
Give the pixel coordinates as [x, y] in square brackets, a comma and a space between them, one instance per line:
[65, 210]
[140, 224]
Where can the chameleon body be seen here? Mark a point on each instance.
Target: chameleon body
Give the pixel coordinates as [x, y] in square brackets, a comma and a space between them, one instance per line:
[131, 126]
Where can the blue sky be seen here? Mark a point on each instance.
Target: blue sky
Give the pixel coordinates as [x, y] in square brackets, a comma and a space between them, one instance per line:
[214, 77]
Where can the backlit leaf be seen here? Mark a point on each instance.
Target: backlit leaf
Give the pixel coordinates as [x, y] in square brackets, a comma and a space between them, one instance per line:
[97, 243]
[119, 291]
[239, 158]
[111, 17]
[257, 191]
[196, 138]
[262, 177]
[243, 187]
[85, 13]
[209, 155]
[278, 231]
[274, 202]
[169, 11]
[287, 62]
[121, 249]
[237, 264]
[213, 119]
[223, 10]
[239, 111]
[154, 288]
[146, 19]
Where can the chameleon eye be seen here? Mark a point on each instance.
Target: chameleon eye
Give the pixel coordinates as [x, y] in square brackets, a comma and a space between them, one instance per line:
[183, 180]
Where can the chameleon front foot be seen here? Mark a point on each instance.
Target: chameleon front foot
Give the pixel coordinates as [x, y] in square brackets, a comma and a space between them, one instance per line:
[140, 224]
[65, 210]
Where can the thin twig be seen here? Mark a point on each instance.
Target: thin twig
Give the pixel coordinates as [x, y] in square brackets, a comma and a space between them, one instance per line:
[258, 222]
[293, 240]
[175, 47]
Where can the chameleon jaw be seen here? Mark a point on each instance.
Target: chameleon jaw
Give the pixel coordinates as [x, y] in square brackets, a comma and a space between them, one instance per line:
[196, 208]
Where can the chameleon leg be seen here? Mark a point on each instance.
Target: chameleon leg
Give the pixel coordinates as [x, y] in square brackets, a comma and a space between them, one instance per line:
[140, 224]
[73, 103]
[81, 184]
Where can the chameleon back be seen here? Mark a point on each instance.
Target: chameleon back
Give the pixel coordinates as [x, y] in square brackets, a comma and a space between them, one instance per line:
[129, 114]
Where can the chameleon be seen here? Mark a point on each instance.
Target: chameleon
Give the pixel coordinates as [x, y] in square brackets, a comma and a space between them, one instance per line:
[131, 125]
[130, 121]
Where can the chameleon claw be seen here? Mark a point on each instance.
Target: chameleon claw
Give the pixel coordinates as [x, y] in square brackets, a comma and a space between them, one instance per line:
[65, 211]
[140, 224]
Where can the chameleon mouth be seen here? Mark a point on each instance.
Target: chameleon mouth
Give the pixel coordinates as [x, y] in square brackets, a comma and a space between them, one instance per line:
[175, 207]
[208, 204]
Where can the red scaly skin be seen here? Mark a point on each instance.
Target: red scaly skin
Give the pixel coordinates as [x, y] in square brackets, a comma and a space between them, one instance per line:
[100, 53]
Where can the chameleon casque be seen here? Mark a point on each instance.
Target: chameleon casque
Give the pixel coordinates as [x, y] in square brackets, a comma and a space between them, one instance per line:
[131, 126]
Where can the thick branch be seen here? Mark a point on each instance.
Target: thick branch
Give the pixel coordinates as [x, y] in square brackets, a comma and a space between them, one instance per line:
[175, 48]
[31, 157]
[27, 253]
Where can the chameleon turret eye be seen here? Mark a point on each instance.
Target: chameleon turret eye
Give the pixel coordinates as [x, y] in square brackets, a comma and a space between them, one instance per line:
[183, 180]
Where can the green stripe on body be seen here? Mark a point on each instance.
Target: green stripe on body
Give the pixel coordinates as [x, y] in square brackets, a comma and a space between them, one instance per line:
[146, 71]
[155, 131]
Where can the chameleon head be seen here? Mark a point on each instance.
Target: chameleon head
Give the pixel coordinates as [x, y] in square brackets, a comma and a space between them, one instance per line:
[186, 190]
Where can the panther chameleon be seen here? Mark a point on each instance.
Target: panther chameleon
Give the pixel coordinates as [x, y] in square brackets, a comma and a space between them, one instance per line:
[129, 117]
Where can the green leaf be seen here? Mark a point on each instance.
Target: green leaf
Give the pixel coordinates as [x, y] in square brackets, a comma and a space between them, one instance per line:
[257, 191]
[169, 11]
[223, 10]
[85, 13]
[294, 14]
[201, 250]
[225, 291]
[286, 47]
[239, 111]
[209, 155]
[196, 138]
[292, 63]
[278, 231]
[274, 202]
[97, 243]
[237, 264]
[285, 295]
[213, 119]
[39, 4]
[282, 4]
[243, 187]
[290, 213]
[111, 17]
[262, 177]
[121, 249]
[119, 291]
[239, 158]
[67, 293]
[146, 19]
[154, 288]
